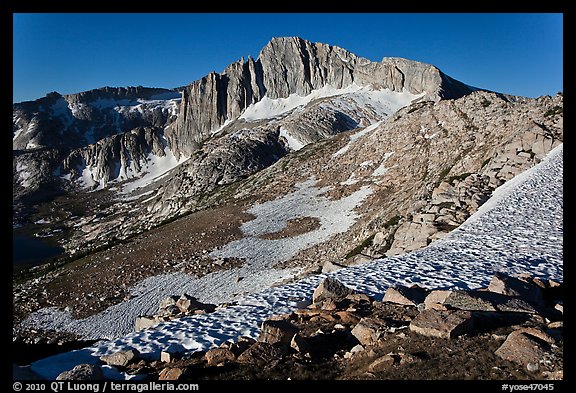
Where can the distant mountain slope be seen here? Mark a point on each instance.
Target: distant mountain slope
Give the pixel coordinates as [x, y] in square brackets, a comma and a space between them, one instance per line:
[519, 231]
[53, 134]
[343, 160]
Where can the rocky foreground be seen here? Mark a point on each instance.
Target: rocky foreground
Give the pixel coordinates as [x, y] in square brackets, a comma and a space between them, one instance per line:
[513, 329]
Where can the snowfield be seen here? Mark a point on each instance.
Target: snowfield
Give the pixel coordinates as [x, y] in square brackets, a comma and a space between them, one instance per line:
[382, 103]
[256, 274]
[520, 229]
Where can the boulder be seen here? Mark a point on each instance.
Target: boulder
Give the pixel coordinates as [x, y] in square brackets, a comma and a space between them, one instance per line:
[331, 289]
[537, 333]
[122, 358]
[330, 267]
[435, 300]
[170, 311]
[82, 372]
[407, 296]
[171, 374]
[281, 331]
[442, 324]
[523, 348]
[358, 298]
[326, 305]
[300, 344]
[355, 349]
[167, 357]
[512, 286]
[219, 356]
[144, 322]
[476, 301]
[468, 300]
[379, 238]
[260, 353]
[189, 304]
[382, 363]
[242, 344]
[347, 317]
[169, 301]
[369, 330]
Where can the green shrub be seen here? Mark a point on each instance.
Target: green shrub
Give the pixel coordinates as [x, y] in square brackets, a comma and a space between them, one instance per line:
[393, 221]
[358, 249]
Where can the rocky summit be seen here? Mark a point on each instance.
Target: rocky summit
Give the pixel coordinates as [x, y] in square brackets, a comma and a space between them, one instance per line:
[306, 160]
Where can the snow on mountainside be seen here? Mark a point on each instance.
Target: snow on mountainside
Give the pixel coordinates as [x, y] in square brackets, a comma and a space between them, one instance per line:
[82, 143]
[260, 175]
[383, 102]
[81, 119]
[519, 230]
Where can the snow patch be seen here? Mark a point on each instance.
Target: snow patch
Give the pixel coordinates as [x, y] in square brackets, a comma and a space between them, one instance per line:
[24, 174]
[155, 168]
[216, 131]
[42, 221]
[267, 108]
[382, 169]
[356, 136]
[382, 102]
[293, 143]
[32, 144]
[520, 230]
[350, 181]
[257, 273]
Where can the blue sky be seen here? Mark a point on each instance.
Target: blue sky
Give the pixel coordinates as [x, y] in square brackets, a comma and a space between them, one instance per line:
[520, 54]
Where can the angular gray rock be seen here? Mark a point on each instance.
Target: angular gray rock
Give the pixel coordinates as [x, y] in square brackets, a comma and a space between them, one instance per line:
[273, 332]
[512, 286]
[476, 301]
[442, 324]
[369, 330]
[407, 296]
[330, 289]
[219, 356]
[468, 300]
[82, 372]
[121, 358]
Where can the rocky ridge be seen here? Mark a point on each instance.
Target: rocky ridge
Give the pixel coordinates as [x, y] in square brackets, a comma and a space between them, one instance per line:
[69, 126]
[510, 330]
[291, 65]
[429, 166]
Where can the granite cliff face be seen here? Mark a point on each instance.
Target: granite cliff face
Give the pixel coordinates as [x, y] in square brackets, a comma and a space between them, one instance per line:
[431, 149]
[84, 131]
[291, 65]
[56, 137]
[76, 120]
